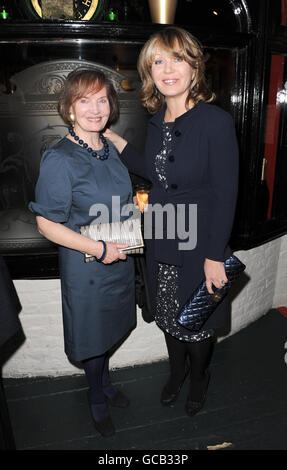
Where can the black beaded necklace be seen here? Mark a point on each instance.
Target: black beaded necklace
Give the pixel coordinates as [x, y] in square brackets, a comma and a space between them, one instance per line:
[89, 149]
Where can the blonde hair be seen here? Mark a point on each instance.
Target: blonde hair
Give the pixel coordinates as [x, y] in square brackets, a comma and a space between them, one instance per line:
[178, 43]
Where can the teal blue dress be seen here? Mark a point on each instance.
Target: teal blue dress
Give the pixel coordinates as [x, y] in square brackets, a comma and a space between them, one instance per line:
[98, 300]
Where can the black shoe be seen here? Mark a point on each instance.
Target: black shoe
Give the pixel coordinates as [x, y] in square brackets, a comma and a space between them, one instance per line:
[119, 400]
[106, 426]
[169, 396]
[193, 407]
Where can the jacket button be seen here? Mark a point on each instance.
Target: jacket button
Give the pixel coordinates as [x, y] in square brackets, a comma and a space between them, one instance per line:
[177, 133]
[171, 158]
[173, 186]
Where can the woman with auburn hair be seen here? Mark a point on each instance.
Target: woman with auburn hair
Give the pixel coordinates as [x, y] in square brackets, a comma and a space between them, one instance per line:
[191, 157]
[81, 170]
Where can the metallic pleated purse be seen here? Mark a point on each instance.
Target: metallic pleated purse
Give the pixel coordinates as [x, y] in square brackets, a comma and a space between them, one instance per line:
[202, 304]
[127, 232]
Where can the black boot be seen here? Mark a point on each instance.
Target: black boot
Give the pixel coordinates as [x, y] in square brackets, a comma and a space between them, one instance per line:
[178, 370]
[200, 354]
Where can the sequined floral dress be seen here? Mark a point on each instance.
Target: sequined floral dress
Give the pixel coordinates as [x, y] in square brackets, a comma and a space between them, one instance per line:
[167, 302]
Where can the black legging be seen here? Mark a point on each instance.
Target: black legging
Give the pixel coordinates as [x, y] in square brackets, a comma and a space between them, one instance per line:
[199, 353]
[98, 377]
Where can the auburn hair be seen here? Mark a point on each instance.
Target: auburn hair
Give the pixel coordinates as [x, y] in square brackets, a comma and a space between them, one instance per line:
[79, 83]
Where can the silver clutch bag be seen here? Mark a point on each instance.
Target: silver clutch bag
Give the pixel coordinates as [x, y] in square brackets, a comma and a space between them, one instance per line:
[202, 304]
[127, 232]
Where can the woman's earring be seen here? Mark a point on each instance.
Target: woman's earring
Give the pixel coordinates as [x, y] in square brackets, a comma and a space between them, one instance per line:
[155, 92]
[72, 118]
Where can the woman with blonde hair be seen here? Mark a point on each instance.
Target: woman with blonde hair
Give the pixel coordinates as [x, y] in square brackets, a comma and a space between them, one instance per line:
[191, 158]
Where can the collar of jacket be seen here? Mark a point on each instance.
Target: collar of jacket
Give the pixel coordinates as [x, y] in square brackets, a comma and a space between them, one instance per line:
[181, 122]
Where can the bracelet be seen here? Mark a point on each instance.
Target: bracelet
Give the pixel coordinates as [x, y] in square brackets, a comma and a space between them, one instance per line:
[104, 251]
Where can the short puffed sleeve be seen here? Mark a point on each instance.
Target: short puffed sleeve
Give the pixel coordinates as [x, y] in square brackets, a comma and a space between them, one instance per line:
[53, 192]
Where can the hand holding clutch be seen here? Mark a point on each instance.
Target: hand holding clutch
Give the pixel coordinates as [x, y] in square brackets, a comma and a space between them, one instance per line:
[215, 274]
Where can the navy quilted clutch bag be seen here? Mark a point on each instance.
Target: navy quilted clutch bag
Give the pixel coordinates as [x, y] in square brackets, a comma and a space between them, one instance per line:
[202, 304]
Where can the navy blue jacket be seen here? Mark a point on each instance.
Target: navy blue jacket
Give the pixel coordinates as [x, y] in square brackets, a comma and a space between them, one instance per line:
[202, 169]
